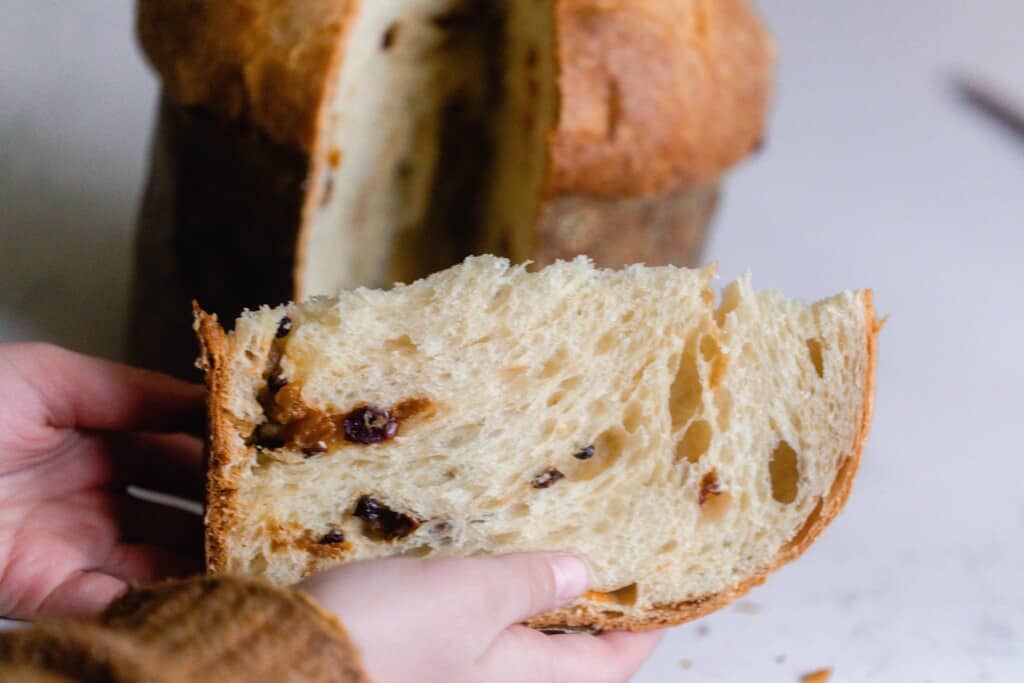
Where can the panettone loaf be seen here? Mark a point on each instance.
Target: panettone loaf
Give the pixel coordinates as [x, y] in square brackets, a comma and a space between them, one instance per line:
[310, 145]
[685, 450]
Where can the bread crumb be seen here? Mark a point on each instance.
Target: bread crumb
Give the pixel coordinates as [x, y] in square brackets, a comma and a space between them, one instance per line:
[819, 676]
[703, 630]
[748, 607]
[779, 659]
[686, 663]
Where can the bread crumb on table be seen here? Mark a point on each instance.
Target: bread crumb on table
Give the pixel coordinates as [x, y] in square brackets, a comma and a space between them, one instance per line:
[748, 607]
[686, 663]
[703, 630]
[819, 676]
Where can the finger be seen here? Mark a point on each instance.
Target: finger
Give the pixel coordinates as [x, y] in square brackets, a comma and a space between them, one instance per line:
[167, 463]
[140, 563]
[484, 595]
[82, 594]
[161, 526]
[523, 654]
[80, 391]
[501, 591]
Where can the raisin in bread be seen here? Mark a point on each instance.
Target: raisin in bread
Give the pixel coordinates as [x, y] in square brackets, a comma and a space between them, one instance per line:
[684, 449]
[312, 145]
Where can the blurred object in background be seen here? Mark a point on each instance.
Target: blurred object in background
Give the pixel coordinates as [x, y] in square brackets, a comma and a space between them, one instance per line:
[994, 104]
[302, 148]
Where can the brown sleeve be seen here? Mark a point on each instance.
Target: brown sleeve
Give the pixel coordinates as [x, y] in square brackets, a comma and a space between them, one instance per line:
[201, 629]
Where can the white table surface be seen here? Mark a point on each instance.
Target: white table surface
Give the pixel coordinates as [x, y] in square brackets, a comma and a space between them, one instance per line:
[873, 175]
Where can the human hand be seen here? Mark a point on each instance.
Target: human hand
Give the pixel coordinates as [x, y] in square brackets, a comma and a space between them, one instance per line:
[457, 619]
[74, 433]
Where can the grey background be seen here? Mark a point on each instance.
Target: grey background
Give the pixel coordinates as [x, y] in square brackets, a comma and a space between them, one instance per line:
[874, 175]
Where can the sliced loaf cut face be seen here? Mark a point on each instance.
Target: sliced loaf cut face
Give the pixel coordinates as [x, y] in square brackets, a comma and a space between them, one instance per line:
[684, 450]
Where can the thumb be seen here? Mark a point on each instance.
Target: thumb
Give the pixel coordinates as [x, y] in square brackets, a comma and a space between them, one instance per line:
[483, 595]
[513, 588]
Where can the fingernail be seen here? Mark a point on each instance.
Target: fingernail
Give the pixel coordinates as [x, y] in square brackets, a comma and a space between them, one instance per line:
[571, 576]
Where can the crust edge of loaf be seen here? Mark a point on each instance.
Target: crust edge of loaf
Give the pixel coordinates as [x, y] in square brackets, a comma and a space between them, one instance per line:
[662, 616]
[220, 494]
[220, 506]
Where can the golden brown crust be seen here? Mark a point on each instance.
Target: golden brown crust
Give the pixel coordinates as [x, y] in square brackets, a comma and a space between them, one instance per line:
[660, 230]
[272, 63]
[220, 491]
[657, 96]
[662, 616]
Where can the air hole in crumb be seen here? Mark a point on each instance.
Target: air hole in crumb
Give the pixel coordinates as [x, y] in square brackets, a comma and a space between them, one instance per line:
[633, 418]
[417, 551]
[518, 511]
[625, 595]
[611, 613]
[607, 342]
[668, 547]
[460, 436]
[716, 359]
[785, 473]
[695, 442]
[555, 398]
[814, 347]
[715, 506]
[401, 344]
[505, 538]
[514, 371]
[570, 383]
[554, 364]
[258, 564]
[723, 409]
[685, 396]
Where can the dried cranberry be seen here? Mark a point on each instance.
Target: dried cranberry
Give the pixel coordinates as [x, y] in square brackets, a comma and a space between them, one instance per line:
[546, 478]
[333, 536]
[709, 486]
[284, 327]
[370, 425]
[368, 508]
[383, 522]
[586, 454]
